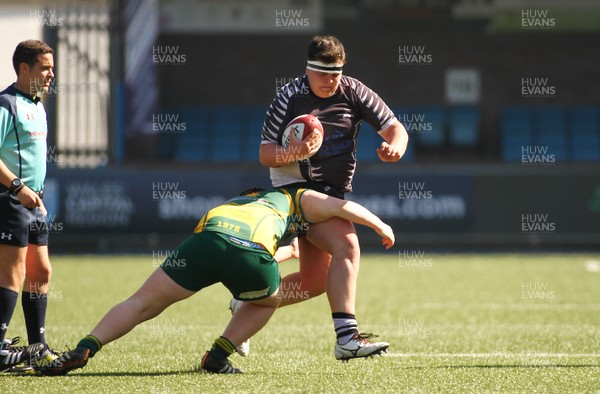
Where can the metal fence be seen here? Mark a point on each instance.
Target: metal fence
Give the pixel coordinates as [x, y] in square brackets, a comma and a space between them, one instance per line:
[79, 98]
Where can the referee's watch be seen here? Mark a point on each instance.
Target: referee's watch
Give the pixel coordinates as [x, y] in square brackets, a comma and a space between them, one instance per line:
[16, 186]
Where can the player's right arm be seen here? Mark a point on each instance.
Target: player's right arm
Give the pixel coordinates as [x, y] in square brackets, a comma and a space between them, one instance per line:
[6, 175]
[318, 207]
[6, 125]
[27, 197]
[279, 114]
[274, 155]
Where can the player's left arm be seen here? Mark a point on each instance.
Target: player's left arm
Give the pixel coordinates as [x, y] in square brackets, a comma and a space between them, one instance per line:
[287, 252]
[377, 113]
[318, 207]
[396, 141]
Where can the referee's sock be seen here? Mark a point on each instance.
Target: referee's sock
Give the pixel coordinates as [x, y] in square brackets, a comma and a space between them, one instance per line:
[345, 326]
[34, 308]
[8, 302]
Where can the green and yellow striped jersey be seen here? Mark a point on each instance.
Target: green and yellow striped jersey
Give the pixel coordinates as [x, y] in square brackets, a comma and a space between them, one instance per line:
[264, 217]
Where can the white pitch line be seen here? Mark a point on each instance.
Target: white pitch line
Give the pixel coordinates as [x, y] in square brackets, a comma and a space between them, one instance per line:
[439, 305]
[592, 266]
[479, 355]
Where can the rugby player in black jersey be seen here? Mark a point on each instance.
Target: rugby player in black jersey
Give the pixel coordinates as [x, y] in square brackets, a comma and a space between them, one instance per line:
[341, 103]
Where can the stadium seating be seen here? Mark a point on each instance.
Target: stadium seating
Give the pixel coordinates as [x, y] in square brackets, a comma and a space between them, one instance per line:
[463, 125]
[193, 144]
[254, 118]
[584, 133]
[367, 143]
[226, 134]
[516, 132]
[232, 133]
[433, 118]
[551, 130]
[569, 134]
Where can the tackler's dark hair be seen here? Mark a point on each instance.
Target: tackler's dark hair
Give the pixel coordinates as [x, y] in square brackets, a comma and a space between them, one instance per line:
[252, 190]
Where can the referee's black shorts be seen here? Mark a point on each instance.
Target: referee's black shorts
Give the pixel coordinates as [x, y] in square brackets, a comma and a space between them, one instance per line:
[20, 226]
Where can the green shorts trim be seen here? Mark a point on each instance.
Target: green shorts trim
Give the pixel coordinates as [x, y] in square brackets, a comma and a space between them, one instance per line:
[208, 257]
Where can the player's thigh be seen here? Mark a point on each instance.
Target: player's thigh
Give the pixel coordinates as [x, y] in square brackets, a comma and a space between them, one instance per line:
[335, 236]
[39, 269]
[12, 266]
[314, 262]
[160, 291]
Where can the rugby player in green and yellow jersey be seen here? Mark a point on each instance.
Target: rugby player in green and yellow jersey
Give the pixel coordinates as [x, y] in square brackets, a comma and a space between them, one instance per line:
[234, 244]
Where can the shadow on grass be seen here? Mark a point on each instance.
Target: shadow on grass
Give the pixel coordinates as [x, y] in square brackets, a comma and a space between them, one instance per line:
[116, 374]
[195, 371]
[133, 373]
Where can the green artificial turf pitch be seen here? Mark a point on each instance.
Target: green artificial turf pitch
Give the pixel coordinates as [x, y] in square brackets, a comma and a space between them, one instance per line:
[456, 323]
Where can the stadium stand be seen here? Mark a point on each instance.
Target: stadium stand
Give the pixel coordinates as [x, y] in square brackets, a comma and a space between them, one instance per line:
[231, 133]
[584, 133]
[551, 130]
[570, 134]
[435, 117]
[516, 131]
[226, 133]
[254, 118]
[367, 143]
[193, 144]
[464, 126]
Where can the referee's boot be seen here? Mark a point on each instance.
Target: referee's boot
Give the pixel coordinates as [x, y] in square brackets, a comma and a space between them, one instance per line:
[14, 355]
[43, 357]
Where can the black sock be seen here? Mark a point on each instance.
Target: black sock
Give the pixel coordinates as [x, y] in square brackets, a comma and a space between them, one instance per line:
[8, 302]
[92, 343]
[34, 309]
[222, 348]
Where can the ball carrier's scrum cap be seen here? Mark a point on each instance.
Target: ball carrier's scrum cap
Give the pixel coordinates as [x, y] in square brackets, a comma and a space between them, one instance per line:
[326, 54]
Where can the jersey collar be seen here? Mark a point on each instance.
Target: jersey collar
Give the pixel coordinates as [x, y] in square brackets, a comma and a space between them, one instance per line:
[35, 99]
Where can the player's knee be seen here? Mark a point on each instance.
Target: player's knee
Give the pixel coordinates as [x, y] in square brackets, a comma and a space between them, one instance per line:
[318, 291]
[17, 278]
[314, 284]
[40, 275]
[347, 248]
[315, 289]
[341, 239]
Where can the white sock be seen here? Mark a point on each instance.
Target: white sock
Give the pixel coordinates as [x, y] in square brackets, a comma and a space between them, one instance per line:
[345, 326]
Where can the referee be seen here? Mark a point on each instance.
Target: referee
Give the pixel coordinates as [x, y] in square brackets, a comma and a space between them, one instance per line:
[24, 257]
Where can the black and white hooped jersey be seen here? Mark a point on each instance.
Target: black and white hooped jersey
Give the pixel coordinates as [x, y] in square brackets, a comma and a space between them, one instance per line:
[341, 116]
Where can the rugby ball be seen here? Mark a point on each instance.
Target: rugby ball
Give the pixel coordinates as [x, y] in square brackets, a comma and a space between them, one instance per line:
[301, 128]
